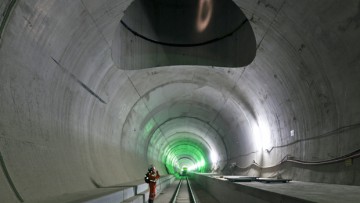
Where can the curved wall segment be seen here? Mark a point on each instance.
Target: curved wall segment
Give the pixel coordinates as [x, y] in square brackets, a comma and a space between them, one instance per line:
[72, 118]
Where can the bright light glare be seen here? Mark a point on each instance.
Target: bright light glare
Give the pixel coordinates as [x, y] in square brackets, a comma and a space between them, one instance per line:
[214, 157]
[257, 136]
[197, 166]
[261, 132]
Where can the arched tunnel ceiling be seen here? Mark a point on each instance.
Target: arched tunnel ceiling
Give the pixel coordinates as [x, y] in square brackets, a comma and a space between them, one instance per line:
[187, 105]
[71, 114]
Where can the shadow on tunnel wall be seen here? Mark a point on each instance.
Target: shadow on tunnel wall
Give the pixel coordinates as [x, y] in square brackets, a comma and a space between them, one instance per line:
[163, 33]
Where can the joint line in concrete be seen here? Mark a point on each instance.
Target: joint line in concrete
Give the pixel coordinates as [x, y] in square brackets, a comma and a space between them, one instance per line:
[9, 180]
[79, 81]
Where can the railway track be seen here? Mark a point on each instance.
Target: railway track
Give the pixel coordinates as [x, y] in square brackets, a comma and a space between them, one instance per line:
[183, 192]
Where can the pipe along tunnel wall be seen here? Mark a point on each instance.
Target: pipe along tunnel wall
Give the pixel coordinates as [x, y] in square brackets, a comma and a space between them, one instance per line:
[73, 113]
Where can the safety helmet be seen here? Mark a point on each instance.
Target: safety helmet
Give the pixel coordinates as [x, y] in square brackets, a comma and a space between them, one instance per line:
[151, 168]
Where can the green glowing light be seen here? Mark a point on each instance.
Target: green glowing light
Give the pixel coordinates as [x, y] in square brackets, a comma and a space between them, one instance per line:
[179, 150]
[197, 166]
[148, 127]
[186, 153]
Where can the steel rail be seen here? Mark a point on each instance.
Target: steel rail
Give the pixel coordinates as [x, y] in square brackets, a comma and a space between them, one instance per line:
[173, 199]
[192, 197]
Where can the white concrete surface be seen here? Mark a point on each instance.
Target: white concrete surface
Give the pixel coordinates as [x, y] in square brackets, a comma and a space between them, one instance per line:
[70, 114]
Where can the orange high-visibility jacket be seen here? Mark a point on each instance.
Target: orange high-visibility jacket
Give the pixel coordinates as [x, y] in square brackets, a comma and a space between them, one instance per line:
[153, 177]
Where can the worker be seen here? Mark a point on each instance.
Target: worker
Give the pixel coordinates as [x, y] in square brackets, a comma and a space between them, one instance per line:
[153, 176]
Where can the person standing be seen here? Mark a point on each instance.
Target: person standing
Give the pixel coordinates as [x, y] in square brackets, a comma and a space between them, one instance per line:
[153, 176]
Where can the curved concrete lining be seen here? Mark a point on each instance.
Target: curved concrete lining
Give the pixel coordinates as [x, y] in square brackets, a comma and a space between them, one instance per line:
[71, 114]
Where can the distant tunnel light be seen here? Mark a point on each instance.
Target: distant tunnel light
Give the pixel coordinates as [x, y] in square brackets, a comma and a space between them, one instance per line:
[292, 133]
[197, 166]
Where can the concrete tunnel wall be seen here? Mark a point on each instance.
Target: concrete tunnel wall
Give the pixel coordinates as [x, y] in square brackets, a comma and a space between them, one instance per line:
[69, 116]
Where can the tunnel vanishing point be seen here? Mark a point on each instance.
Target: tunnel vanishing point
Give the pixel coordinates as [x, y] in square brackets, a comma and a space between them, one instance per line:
[92, 92]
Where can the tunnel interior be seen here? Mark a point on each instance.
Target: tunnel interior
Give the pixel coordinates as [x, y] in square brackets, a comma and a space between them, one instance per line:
[165, 33]
[91, 95]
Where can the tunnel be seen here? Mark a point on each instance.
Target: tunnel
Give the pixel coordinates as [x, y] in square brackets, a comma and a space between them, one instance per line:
[93, 92]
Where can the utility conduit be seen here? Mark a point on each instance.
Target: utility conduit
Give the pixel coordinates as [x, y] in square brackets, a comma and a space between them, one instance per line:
[288, 158]
[329, 133]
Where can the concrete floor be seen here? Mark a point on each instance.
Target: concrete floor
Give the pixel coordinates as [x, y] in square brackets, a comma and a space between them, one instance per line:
[301, 191]
[166, 195]
[314, 192]
[202, 195]
[291, 192]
